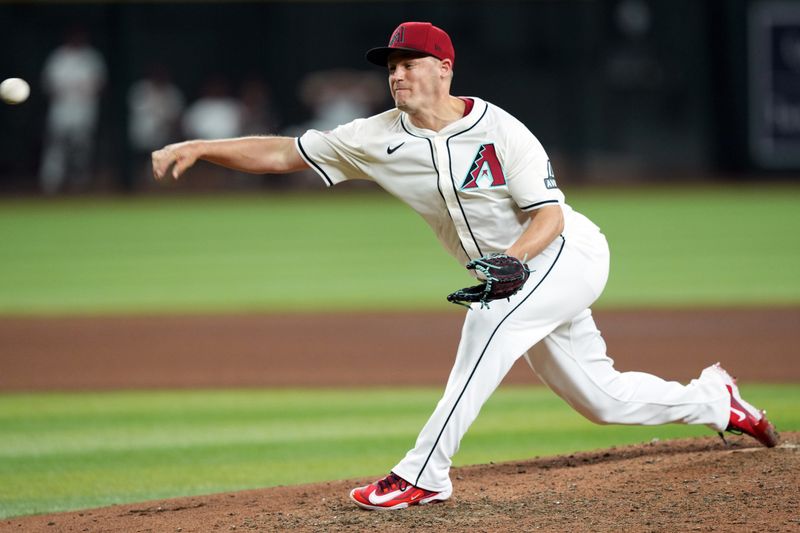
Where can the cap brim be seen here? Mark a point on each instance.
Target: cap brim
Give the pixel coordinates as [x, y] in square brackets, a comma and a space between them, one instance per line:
[380, 56]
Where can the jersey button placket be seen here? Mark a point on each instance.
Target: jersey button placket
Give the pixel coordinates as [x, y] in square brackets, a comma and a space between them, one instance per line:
[448, 185]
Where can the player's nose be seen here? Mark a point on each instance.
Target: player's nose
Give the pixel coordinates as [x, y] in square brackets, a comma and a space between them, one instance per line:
[396, 74]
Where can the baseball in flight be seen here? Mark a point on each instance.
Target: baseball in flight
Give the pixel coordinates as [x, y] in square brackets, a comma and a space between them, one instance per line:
[14, 90]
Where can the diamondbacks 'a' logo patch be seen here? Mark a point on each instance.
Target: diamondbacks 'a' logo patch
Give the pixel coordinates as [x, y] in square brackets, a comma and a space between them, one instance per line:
[485, 171]
[550, 180]
[398, 37]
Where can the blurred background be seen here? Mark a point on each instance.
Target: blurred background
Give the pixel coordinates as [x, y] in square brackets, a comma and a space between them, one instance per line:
[650, 90]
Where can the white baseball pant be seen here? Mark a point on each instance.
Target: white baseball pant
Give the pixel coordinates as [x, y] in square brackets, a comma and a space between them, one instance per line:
[551, 315]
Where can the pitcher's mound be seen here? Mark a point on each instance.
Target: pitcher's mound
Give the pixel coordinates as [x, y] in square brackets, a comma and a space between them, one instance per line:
[680, 485]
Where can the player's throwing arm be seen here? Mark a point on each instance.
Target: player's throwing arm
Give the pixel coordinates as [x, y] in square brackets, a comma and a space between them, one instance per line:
[255, 155]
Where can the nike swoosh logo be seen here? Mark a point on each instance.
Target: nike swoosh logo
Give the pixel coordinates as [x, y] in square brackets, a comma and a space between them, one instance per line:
[377, 500]
[739, 413]
[415, 496]
[390, 150]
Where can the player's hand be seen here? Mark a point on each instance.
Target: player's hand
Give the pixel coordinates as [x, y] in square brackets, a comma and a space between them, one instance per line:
[179, 156]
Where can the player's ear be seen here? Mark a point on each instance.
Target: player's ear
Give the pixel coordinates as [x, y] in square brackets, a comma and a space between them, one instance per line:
[446, 68]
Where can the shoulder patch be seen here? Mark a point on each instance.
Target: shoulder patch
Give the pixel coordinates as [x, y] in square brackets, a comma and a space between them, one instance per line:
[485, 171]
[550, 180]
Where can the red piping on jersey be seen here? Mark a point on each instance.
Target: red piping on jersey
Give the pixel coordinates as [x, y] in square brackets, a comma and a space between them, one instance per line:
[469, 103]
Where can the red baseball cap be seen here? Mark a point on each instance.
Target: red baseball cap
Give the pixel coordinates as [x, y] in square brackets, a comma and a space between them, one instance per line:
[421, 37]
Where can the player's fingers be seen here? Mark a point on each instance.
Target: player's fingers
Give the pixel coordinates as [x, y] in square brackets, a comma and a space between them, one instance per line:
[161, 159]
[181, 165]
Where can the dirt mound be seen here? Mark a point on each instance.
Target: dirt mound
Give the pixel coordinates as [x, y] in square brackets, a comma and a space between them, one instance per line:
[680, 485]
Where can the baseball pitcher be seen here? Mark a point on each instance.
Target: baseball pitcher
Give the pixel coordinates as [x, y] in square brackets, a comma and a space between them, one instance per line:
[485, 185]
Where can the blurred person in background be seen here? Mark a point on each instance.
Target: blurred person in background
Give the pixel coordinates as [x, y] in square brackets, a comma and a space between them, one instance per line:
[155, 105]
[338, 96]
[216, 114]
[73, 77]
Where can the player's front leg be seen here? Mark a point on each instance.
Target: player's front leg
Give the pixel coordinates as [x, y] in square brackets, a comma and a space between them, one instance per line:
[489, 346]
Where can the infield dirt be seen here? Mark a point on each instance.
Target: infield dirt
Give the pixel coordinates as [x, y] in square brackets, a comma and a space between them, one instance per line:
[358, 349]
[682, 485]
[685, 485]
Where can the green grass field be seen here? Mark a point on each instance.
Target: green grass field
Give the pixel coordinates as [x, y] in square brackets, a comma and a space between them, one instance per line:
[334, 251]
[330, 251]
[73, 451]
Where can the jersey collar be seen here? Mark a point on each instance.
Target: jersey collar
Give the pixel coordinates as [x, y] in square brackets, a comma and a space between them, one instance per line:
[454, 128]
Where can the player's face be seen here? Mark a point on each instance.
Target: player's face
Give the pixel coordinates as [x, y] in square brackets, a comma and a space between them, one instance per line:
[414, 80]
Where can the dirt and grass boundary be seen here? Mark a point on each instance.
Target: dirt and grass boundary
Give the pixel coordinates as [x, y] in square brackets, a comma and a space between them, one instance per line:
[686, 485]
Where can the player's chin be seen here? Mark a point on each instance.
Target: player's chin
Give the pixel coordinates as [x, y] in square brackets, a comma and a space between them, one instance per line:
[400, 99]
[402, 105]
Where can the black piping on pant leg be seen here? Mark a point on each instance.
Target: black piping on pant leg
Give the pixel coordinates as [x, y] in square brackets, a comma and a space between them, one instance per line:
[480, 358]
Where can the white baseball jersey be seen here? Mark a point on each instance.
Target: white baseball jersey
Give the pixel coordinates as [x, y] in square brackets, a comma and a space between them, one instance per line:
[474, 182]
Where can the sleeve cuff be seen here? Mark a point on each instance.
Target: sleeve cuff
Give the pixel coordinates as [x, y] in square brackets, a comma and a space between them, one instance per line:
[327, 179]
[537, 205]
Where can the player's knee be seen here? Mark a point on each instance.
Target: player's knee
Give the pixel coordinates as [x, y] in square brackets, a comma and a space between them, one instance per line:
[602, 418]
[602, 411]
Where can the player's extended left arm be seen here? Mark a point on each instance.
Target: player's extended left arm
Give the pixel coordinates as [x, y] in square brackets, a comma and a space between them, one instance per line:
[546, 224]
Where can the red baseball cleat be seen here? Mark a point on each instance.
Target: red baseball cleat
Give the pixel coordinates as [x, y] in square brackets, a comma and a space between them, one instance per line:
[394, 492]
[744, 417]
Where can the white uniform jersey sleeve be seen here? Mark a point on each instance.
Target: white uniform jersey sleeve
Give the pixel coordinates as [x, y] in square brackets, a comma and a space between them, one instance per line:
[530, 177]
[337, 155]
